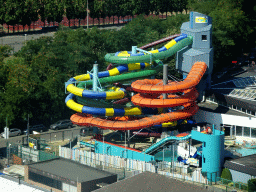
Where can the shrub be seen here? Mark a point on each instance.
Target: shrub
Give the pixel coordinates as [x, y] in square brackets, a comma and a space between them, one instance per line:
[251, 185]
[226, 175]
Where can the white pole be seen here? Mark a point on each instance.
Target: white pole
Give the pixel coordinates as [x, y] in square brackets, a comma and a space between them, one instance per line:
[125, 144]
[25, 39]
[70, 149]
[103, 153]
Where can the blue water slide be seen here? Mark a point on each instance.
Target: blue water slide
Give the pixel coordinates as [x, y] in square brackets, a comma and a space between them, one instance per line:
[180, 159]
[87, 144]
[163, 141]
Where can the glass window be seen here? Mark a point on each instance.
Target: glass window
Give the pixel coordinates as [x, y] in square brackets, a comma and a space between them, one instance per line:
[238, 131]
[247, 131]
[244, 110]
[253, 132]
[204, 37]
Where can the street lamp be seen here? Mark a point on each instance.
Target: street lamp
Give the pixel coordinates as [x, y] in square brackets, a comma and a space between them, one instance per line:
[9, 147]
[87, 15]
[70, 148]
[25, 39]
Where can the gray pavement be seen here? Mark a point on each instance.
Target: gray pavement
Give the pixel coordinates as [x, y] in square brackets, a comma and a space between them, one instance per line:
[18, 41]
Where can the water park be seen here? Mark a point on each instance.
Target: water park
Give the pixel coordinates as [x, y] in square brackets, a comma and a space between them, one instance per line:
[150, 119]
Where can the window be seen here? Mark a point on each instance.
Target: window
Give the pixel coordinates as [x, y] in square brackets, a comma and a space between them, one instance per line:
[253, 132]
[45, 180]
[239, 131]
[247, 131]
[204, 37]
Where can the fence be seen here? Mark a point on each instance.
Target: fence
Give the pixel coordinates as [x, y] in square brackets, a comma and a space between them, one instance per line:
[237, 185]
[28, 154]
[40, 25]
[132, 167]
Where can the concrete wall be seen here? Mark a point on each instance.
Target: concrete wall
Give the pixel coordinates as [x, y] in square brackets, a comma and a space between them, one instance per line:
[218, 118]
[35, 183]
[239, 177]
[92, 185]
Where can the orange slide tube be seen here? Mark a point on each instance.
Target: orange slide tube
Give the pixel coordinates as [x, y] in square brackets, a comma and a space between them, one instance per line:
[149, 96]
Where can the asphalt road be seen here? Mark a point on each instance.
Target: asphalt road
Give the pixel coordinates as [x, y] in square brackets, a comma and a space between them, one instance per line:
[17, 41]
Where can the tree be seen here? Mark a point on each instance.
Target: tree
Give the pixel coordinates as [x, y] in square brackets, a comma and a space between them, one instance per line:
[2, 11]
[54, 10]
[30, 12]
[41, 11]
[75, 10]
[13, 13]
[226, 175]
[251, 185]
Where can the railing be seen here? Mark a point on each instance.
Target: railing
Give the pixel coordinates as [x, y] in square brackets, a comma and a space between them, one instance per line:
[232, 184]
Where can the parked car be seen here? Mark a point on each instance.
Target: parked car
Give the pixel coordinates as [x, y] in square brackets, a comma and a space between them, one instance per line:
[62, 124]
[12, 132]
[38, 128]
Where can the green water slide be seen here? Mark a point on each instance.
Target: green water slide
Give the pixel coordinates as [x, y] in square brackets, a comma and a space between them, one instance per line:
[110, 57]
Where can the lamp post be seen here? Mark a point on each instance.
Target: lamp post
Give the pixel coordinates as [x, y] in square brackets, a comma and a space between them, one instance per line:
[87, 15]
[9, 154]
[103, 152]
[25, 39]
[70, 148]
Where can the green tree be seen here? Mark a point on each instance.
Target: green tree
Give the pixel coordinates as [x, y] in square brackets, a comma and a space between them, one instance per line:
[75, 10]
[251, 185]
[13, 13]
[226, 174]
[30, 12]
[41, 11]
[54, 10]
[2, 12]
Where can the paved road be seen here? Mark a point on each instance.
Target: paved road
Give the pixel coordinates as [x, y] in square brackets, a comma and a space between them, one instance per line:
[17, 41]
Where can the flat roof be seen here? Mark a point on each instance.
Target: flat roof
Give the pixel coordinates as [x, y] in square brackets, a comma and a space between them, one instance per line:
[215, 108]
[12, 184]
[245, 164]
[223, 86]
[151, 182]
[70, 169]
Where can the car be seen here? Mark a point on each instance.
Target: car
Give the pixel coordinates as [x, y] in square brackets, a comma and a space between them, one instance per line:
[62, 124]
[38, 128]
[12, 132]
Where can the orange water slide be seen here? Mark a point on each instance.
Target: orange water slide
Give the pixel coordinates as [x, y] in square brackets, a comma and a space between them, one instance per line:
[179, 94]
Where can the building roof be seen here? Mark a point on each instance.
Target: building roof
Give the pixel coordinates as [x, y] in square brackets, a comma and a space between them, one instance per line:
[215, 108]
[245, 164]
[72, 170]
[236, 87]
[151, 182]
[12, 184]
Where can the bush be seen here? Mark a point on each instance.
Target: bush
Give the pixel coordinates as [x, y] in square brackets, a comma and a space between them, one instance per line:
[238, 185]
[251, 185]
[226, 175]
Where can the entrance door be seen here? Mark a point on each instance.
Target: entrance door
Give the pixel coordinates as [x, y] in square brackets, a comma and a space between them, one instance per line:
[228, 130]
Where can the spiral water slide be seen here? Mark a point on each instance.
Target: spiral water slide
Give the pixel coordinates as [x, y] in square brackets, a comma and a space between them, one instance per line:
[149, 101]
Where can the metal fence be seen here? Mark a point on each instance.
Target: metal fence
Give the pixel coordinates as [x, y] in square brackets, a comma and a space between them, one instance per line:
[27, 154]
[127, 168]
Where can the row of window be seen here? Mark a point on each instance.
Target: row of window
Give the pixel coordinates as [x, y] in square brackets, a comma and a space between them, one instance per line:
[234, 130]
[234, 107]
[45, 180]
